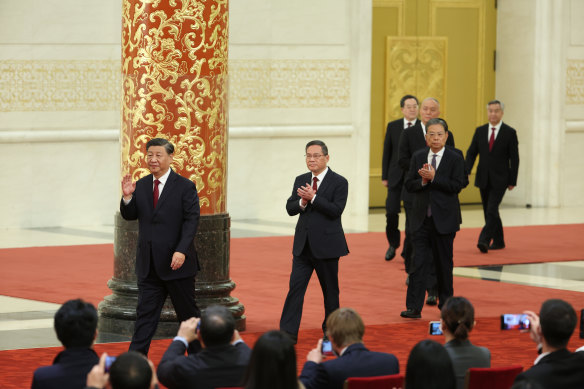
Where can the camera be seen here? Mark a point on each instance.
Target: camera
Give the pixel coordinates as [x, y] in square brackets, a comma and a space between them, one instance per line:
[327, 348]
[511, 321]
[435, 328]
[108, 363]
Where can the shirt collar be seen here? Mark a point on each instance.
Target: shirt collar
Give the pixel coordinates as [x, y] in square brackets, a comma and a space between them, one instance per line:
[497, 126]
[438, 154]
[164, 177]
[321, 175]
[539, 358]
[406, 121]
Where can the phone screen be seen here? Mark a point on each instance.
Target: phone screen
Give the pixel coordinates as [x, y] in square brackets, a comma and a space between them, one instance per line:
[512, 321]
[327, 348]
[435, 328]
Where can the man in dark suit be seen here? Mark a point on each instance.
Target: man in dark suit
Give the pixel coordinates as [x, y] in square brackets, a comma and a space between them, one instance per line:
[345, 330]
[556, 366]
[435, 178]
[391, 173]
[497, 145]
[221, 362]
[129, 370]
[319, 197]
[167, 208]
[76, 328]
[412, 140]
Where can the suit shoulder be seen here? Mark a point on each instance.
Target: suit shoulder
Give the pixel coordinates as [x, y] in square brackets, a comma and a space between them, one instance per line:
[336, 176]
[183, 180]
[399, 123]
[456, 153]
[508, 127]
[419, 152]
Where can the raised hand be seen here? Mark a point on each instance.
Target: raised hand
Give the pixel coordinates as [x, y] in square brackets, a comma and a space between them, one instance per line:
[128, 187]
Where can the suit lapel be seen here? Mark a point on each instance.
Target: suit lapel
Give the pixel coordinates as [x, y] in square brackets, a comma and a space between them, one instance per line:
[166, 190]
[325, 182]
[150, 193]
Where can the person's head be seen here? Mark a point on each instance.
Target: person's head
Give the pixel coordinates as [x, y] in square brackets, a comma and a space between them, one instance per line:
[457, 316]
[430, 109]
[76, 324]
[344, 327]
[429, 366]
[130, 370]
[217, 326]
[159, 154]
[495, 110]
[409, 107]
[436, 134]
[557, 320]
[272, 363]
[316, 156]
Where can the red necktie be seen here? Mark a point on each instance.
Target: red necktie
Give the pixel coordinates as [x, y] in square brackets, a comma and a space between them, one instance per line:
[155, 194]
[314, 185]
[492, 139]
[409, 124]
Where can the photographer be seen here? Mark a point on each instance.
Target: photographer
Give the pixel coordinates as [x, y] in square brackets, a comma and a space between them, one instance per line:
[130, 370]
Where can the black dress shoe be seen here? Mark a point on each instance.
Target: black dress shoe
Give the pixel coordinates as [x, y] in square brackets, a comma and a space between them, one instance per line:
[496, 246]
[389, 254]
[411, 314]
[432, 300]
[483, 247]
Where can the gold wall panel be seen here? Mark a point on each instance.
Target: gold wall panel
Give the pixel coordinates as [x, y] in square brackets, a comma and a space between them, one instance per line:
[415, 65]
[289, 83]
[575, 81]
[59, 85]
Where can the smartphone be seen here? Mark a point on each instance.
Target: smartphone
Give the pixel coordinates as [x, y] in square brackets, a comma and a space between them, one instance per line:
[198, 327]
[327, 348]
[435, 328]
[108, 363]
[512, 321]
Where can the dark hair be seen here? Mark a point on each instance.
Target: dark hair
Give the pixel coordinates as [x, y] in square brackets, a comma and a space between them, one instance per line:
[429, 367]
[345, 327]
[435, 121]
[75, 323]
[402, 101]
[458, 316]
[493, 102]
[558, 321]
[130, 370]
[217, 326]
[273, 363]
[526, 383]
[317, 143]
[169, 147]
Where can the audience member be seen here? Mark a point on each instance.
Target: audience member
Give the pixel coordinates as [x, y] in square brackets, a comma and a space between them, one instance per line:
[345, 330]
[457, 321]
[130, 370]
[76, 328]
[429, 367]
[222, 360]
[555, 367]
[273, 363]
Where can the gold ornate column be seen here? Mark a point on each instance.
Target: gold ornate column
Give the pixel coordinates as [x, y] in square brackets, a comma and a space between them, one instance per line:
[174, 71]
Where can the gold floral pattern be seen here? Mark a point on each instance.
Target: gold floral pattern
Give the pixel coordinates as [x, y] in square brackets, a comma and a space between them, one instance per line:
[174, 69]
[575, 82]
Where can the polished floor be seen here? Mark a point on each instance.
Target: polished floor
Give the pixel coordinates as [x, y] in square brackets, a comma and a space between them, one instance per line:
[27, 323]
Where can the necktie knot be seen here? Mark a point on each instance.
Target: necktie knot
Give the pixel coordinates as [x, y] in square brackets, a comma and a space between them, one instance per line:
[409, 124]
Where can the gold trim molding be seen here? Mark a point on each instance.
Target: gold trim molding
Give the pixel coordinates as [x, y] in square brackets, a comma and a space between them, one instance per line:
[59, 85]
[575, 81]
[287, 83]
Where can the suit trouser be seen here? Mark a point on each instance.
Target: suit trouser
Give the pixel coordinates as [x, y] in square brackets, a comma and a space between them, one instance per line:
[152, 292]
[430, 249]
[327, 271]
[392, 210]
[493, 230]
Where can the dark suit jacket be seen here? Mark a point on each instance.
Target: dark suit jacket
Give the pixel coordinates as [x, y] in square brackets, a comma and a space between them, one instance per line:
[212, 367]
[390, 169]
[168, 228]
[68, 371]
[441, 193]
[498, 167]
[356, 361]
[560, 369]
[410, 141]
[465, 355]
[320, 222]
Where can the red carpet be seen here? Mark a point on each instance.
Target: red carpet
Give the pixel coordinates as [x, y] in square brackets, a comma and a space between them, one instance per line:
[373, 287]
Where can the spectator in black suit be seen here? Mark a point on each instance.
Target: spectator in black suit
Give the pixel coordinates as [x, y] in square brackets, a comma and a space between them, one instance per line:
[435, 178]
[392, 176]
[76, 328]
[429, 366]
[496, 144]
[412, 140]
[319, 197]
[273, 363]
[345, 330]
[222, 360]
[130, 370]
[556, 366]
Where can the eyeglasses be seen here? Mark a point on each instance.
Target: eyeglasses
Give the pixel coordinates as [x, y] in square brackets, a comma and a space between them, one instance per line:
[315, 156]
[438, 134]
